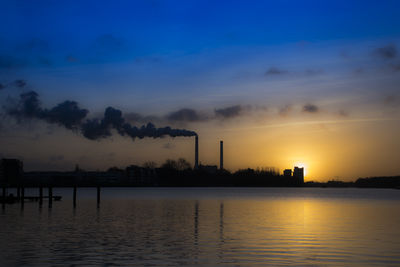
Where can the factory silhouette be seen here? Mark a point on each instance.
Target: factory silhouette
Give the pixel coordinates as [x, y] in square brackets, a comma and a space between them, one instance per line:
[172, 173]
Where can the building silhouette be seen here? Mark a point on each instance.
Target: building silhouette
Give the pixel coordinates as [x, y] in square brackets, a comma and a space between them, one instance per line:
[287, 173]
[298, 175]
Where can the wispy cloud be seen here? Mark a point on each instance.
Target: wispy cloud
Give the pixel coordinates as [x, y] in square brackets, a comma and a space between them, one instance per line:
[310, 108]
[275, 71]
[229, 112]
[386, 52]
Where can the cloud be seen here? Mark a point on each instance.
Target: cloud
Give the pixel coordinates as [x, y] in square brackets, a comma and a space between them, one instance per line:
[310, 108]
[395, 67]
[386, 52]
[229, 112]
[67, 113]
[275, 71]
[20, 83]
[2, 86]
[184, 115]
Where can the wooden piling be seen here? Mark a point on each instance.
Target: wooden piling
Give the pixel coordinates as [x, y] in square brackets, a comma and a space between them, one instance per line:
[22, 199]
[3, 203]
[40, 196]
[74, 197]
[18, 192]
[98, 196]
[50, 197]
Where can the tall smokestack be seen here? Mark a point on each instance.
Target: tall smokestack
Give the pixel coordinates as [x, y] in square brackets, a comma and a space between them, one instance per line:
[196, 153]
[221, 155]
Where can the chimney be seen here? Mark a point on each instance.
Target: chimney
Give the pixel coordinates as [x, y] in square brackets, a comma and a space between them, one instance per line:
[221, 155]
[196, 153]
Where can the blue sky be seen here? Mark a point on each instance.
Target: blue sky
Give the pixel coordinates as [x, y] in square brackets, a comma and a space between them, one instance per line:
[270, 63]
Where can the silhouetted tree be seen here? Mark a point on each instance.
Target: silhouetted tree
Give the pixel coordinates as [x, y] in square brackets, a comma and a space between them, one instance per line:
[115, 169]
[183, 164]
[150, 165]
[170, 164]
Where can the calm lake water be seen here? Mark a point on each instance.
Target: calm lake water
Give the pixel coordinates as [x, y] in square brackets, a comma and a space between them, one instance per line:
[205, 226]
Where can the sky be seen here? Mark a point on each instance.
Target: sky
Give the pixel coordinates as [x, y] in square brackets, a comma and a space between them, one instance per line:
[282, 83]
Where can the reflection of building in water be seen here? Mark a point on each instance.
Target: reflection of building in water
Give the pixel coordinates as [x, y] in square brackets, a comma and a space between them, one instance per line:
[298, 174]
[196, 223]
[221, 222]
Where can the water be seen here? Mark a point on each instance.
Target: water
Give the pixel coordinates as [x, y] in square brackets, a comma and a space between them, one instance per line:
[206, 226]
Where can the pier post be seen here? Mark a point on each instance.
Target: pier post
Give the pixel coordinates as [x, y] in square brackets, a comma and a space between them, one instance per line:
[98, 196]
[22, 199]
[18, 192]
[3, 203]
[50, 197]
[40, 196]
[74, 197]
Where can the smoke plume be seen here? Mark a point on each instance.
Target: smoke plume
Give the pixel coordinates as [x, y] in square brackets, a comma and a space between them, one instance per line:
[69, 115]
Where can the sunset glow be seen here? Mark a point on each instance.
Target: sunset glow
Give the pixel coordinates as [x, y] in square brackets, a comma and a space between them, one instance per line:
[325, 96]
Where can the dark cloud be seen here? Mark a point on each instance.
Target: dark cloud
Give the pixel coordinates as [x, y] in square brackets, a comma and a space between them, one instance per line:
[184, 115]
[386, 52]
[2, 86]
[28, 106]
[20, 83]
[395, 67]
[310, 108]
[67, 113]
[229, 112]
[275, 71]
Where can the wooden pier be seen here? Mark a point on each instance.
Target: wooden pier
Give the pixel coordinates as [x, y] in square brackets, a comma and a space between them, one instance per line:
[21, 198]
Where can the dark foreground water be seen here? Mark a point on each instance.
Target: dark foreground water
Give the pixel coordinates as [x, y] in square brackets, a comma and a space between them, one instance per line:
[206, 226]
